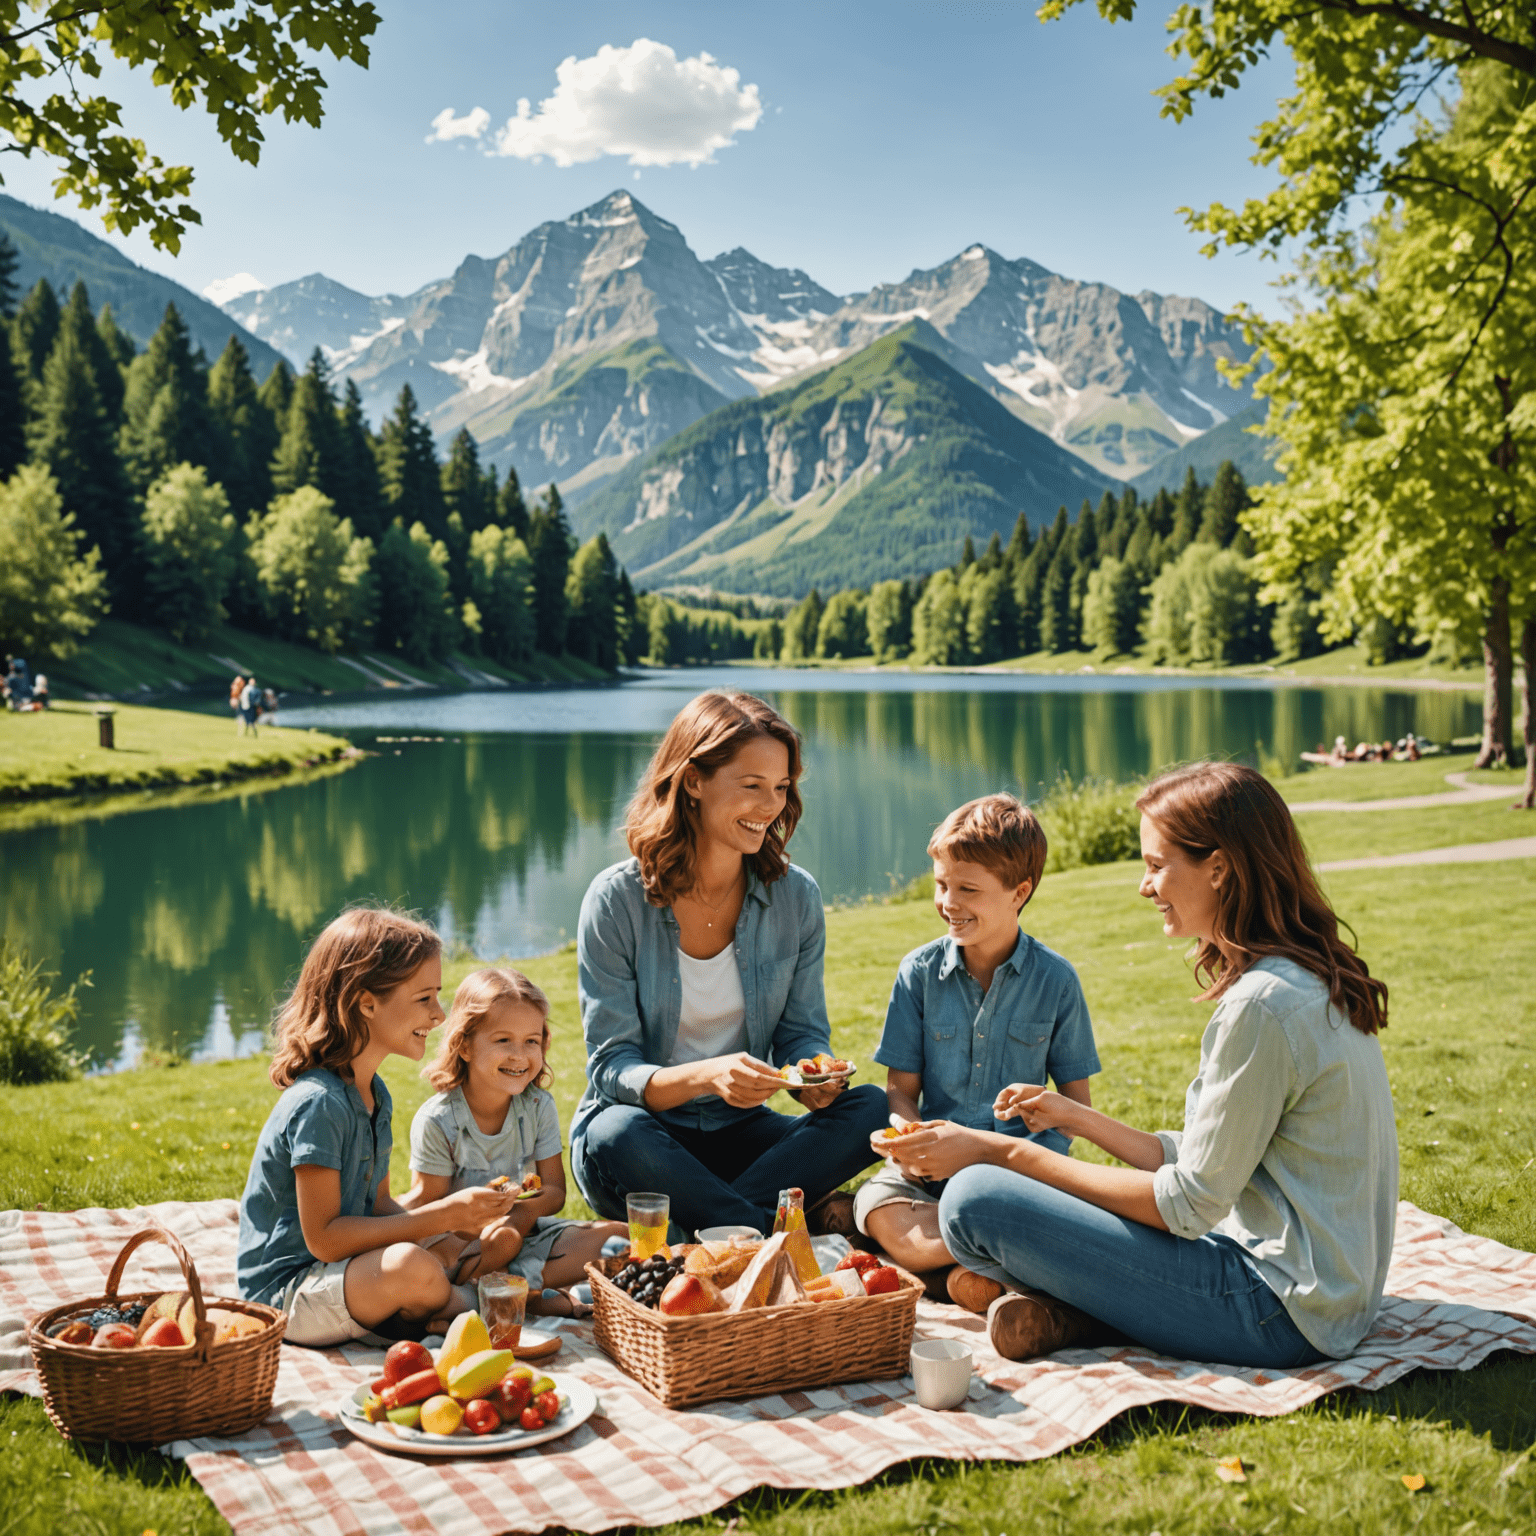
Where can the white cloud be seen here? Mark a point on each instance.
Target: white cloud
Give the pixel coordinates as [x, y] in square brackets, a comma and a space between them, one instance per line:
[446, 127]
[222, 289]
[641, 102]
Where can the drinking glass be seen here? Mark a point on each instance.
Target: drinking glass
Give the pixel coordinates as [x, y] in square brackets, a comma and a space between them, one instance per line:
[503, 1303]
[648, 1215]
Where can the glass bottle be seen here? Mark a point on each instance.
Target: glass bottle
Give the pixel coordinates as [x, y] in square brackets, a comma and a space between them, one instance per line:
[789, 1218]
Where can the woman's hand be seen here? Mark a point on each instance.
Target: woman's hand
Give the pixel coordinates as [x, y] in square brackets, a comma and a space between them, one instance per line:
[819, 1095]
[1038, 1108]
[477, 1207]
[742, 1080]
[939, 1150]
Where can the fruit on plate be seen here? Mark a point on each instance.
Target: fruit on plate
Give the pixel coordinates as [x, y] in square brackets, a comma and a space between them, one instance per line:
[531, 1418]
[481, 1417]
[114, 1336]
[512, 1393]
[475, 1376]
[440, 1415]
[689, 1295]
[373, 1409]
[543, 1384]
[162, 1334]
[857, 1260]
[547, 1405]
[406, 1358]
[408, 1418]
[414, 1389]
[77, 1332]
[466, 1336]
[878, 1282]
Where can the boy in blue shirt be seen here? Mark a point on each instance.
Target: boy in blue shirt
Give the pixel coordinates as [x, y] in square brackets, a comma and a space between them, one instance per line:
[973, 1017]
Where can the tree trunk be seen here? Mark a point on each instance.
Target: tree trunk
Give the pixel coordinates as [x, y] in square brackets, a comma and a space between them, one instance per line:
[1498, 680]
[1527, 800]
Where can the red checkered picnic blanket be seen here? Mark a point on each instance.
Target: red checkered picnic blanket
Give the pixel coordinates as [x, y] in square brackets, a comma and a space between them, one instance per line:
[1453, 1300]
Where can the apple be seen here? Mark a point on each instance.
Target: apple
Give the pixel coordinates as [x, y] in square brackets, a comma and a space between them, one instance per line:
[114, 1336]
[530, 1418]
[481, 1417]
[406, 1358]
[877, 1282]
[688, 1295]
[77, 1332]
[858, 1260]
[162, 1334]
[548, 1405]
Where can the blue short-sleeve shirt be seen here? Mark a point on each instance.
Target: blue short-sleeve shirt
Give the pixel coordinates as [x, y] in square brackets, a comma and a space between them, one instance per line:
[320, 1121]
[1032, 1023]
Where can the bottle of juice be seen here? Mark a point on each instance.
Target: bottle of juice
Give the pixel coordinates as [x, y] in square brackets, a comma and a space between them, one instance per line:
[790, 1219]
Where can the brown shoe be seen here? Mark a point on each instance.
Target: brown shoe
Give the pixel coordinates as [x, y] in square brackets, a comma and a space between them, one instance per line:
[832, 1213]
[1024, 1324]
[972, 1291]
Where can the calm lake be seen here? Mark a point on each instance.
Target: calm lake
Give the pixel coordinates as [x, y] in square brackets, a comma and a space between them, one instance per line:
[491, 812]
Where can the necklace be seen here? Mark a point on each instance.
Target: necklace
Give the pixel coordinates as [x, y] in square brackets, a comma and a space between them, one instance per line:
[699, 896]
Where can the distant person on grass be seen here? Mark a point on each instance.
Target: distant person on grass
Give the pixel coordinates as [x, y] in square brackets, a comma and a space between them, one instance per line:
[236, 688]
[250, 706]
[699, 967]
[983, 1007]
[1259, 1235]
[321, 1238]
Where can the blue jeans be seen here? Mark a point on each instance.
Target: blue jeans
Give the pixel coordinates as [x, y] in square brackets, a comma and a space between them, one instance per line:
[731, 1176]
[1197, 1299]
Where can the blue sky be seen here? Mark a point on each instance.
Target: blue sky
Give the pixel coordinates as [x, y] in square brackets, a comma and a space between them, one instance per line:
[887, 136]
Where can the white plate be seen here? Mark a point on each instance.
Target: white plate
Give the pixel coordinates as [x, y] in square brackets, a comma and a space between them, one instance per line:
[578, 1404]
[795, 1080]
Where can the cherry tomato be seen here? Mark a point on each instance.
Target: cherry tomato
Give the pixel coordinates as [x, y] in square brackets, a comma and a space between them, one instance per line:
[548, 1405]
[481, 1417]
[530, 1418]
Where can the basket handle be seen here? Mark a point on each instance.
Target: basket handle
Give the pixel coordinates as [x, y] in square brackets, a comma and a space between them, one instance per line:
[204, 1329]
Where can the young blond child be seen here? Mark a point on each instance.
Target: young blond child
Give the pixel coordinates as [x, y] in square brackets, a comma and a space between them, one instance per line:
[493, 1116]
[320, 1235]
[973, 1017]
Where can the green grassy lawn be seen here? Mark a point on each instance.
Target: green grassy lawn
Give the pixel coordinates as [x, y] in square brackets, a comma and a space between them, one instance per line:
[56, 752]
[1461, 1050]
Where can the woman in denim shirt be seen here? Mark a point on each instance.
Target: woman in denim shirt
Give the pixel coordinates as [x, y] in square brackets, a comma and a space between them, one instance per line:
[1260, 1234]
[699, 963]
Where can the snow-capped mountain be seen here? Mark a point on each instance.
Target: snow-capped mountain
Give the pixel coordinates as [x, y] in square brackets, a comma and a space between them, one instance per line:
[596, 338]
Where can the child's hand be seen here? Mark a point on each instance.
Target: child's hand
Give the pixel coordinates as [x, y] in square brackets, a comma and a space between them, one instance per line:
[1040, 1109]
[939, 1150]
[477, 1207]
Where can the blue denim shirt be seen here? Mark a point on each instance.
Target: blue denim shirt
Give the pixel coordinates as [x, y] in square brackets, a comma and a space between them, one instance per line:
[967, 1047]
[632, 996]
[319, 1121]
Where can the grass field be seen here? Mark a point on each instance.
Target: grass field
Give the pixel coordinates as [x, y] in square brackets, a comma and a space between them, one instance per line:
[56, 752]
[1461, 1051]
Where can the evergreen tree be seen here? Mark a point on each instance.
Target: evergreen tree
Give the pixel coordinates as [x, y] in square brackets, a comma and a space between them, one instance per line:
[464, 484]
[69, 435]
[246, 432]
[1124, 526]
[34, 330]
[277, 392]
[511, 511]
[309, 450]
[1085, 538]
[549, 543]
[1160, 514]
[1187, 513]
[165, 406]
[1029, 594]
[1020, 544]
[1227, 497]
[592, 595]
[8, 288]
[1056, 626]
[1142, 546]
[76, 316]
[1056, 535]
[408, 472]
[967, 556]
[189, 540]
[627, 607]
[993, 558]
[358, 492]
[989, 620]
[13, 412]
[1108, 511]
[119, 344]
[801, 625]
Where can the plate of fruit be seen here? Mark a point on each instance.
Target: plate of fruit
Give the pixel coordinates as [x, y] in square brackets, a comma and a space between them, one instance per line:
[467, 1401]
[811, 1071]
[531, 1186]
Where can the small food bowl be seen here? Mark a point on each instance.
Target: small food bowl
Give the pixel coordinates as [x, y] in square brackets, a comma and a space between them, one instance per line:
[724, 1234]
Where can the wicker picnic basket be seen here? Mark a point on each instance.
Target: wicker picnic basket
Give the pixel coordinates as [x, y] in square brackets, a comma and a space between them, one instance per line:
[155, 1395]
[686, 1360]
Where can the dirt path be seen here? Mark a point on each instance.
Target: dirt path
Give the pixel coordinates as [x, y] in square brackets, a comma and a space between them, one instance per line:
[1463, 794]
[1460, 853]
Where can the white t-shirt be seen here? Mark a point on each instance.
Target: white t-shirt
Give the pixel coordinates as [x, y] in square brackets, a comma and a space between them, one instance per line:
[714, 1015]
[445, 1140]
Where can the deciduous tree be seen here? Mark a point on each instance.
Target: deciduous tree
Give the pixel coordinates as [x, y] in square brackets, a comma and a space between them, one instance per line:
[189, 542]
[51, 592]
[312, 570]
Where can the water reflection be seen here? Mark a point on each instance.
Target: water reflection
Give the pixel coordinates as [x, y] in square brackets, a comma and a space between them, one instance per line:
[193, 919]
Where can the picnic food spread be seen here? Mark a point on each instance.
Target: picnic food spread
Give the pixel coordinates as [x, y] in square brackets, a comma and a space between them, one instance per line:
[168, 1322]
[810, 1071]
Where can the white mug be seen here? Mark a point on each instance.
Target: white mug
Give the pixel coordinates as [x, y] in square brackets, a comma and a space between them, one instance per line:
[941, 1371]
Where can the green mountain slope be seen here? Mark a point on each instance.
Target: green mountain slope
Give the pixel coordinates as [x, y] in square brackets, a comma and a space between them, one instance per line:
[877, 467]
[1231, 440]
[57, 248]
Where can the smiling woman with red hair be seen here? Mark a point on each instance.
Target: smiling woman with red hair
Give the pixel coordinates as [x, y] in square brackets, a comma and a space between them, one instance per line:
[1260, 1234]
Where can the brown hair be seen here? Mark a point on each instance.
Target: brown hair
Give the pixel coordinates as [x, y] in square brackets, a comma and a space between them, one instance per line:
[1000, 833]
[478, 994]
[1272, 904]
[662, 823]
[364, 949]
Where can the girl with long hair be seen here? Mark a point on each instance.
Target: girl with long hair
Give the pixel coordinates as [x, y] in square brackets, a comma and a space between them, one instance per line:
[1260, 1234]
[320, 1236]
[699, 966]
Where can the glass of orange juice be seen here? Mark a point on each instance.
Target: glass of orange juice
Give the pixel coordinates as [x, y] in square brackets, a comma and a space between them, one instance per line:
[648, 1214]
